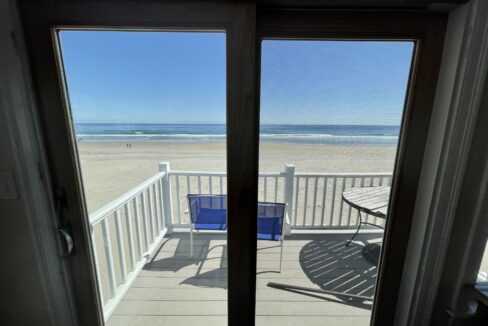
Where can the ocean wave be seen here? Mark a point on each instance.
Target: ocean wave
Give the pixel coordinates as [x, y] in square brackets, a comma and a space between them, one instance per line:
[142, 135]
[316, 136]
[282, 136]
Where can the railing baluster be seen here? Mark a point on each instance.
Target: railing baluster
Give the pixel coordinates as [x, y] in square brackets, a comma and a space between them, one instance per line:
[109, 257]
[160, 204]
[305, 202]
[332, 206]
[188, 188]
[151, 212]
[210, 184]
[323, 201]
[221, 186]
[199, 184]
[130, 235]
[144, 220]
[296, 201]
[265, 187]
[97, 266]
[120, 247]
[138, 227]
[344, 179]
[314, 201]
[178, 205]
[357, 215]
[276, 189]
[156, 209]
[349, 210]
[370, 183]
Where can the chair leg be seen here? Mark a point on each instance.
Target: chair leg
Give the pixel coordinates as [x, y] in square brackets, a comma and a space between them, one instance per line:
[281, 252]
[191, 240]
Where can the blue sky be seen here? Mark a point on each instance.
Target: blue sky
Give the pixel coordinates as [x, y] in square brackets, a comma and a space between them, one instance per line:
[161, 77]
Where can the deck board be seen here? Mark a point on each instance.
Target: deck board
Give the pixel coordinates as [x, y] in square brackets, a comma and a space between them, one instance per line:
[175, 289]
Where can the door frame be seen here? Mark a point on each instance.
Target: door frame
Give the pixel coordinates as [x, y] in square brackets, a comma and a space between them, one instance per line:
[243, 30]
[40, 24]
[427, 30]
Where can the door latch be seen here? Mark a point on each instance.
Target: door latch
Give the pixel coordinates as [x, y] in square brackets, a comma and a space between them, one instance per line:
[67, 239]
[64, 231]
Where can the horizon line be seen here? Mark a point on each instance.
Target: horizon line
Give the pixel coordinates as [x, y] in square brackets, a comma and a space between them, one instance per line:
[222, 123]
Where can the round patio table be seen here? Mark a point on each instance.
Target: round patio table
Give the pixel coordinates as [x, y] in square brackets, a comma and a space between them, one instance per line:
[372, 201]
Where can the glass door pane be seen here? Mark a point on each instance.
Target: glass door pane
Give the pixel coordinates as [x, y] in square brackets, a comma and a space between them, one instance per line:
[148, 111]
[330, 121]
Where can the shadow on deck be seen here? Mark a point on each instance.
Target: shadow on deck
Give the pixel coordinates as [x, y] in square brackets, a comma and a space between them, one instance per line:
[175, 288]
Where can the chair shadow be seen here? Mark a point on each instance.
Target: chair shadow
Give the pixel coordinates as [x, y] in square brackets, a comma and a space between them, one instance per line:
[181, 256]
[215, 278]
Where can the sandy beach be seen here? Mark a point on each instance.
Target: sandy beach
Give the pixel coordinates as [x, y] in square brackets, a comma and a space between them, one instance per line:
[110, 169]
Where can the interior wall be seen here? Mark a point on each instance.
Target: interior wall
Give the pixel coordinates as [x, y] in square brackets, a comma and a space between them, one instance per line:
[34, 283]
[22, 295]
[449, 66]
[445, 168]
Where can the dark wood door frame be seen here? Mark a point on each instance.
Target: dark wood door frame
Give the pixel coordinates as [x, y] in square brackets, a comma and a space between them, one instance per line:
[41, 20]
[244, 31]
[427, 30]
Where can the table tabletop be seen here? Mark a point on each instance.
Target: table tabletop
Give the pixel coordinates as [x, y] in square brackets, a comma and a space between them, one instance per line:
[370, 200]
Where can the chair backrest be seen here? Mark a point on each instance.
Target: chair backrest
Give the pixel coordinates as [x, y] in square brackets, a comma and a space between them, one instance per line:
[208, 211]
[270, 220]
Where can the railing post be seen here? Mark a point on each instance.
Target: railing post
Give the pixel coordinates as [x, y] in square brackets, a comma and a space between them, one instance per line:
[289, 181]
[166, 185]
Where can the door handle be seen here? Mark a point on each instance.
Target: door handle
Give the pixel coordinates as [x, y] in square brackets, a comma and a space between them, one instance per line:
[67, 239]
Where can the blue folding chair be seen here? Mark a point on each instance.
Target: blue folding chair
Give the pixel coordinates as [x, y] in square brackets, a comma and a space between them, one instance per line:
[271, 218]
[207, 212]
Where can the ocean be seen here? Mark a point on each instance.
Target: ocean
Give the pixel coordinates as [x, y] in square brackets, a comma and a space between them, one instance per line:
[290, 134]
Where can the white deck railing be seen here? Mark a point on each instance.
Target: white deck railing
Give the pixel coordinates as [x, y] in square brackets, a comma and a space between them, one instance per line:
[127, 231]
[314, 199]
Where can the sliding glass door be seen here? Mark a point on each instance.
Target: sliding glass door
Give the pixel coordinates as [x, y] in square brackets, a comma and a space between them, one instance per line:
[330, 120]
[344, 112]
[149, 120]
[321, 96]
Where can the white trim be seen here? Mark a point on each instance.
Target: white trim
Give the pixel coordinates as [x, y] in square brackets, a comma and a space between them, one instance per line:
[344, 174]
[463, 72]
[220, 174]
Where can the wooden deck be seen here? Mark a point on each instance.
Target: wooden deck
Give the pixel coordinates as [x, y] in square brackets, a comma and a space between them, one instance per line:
[175, 289]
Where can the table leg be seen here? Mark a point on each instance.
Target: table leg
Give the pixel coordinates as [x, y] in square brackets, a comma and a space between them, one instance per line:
[357, 231]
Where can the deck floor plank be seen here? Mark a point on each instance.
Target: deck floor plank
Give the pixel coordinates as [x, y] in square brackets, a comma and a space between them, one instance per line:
[175, 289]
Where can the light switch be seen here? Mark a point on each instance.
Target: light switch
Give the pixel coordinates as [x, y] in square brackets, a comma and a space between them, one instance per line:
[7, 186]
